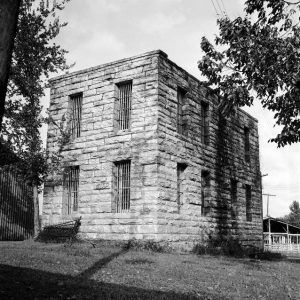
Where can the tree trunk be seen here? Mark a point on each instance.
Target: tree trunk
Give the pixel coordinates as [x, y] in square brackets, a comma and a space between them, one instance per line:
[9, 10]
[36, 212]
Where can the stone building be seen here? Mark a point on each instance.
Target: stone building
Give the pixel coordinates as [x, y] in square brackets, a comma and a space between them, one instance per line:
[151, 157]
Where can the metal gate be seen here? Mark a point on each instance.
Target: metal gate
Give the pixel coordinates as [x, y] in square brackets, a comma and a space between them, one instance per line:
[16, 207]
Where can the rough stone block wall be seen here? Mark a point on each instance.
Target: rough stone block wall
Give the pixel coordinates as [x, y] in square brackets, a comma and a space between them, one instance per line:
[155, 150]
[101, 145]
[223, 158]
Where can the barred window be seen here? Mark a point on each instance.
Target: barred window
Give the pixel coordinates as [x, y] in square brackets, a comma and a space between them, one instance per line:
[122, 186]
[205, 186]
[70, 192]
[248, 203]
[204, 123]
[247, 144]
[181, 123]
[124, 99]
[233, 197]
[75, 105]
[180, 177]
[233, 191]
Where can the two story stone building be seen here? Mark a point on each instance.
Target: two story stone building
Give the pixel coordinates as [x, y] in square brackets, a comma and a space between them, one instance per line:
[151, 157]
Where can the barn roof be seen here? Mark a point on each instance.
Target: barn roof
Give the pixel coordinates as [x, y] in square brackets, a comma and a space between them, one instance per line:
[279, 226]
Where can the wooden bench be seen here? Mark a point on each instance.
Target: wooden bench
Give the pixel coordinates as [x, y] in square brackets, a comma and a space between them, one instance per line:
[65, 231]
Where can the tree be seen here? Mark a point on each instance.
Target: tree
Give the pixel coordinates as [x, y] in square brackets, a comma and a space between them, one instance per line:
[257, 56]
[9, 11]
[294, 216]
[35, 57]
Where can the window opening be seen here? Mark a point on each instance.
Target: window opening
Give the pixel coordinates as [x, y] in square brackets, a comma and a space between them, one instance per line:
[123, 186]
[71, 185]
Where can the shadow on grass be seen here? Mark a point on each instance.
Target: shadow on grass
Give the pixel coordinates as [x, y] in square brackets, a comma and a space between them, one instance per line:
[25, 283]
[88, 273]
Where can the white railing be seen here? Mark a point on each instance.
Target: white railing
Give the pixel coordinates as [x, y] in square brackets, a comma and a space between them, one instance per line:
[282, 242]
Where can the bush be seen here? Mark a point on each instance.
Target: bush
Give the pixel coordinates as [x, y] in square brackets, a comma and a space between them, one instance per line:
[267, 255]
[149, 245]
[223, 247]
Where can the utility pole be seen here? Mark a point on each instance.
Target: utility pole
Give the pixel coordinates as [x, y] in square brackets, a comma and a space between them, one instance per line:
[268, 195]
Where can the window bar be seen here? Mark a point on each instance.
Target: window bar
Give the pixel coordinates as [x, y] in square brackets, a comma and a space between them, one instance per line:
[72, 117]
[121, 106]
[130, 104]
[76, 117]
[129, 94]
[126, 106]
[125, 87]
[124, 109]
[125, 185]
[79, 115]
[122, 186]
[75, 121]
[75, 188]
[72, 188]
[118, 190]
[68, 192]
[78, 104]
[127, 178]
[202, 123]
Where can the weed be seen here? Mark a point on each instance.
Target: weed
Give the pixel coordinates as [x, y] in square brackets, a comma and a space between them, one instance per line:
[267, 255]
[138, 261]
[149, 245]
[223, 247]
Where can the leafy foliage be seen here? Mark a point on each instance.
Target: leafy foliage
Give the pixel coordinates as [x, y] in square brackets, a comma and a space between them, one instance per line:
[258, 56]
[294, 216]
[35, 57]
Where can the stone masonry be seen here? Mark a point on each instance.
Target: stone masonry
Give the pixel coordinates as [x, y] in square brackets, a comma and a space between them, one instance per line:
[183, 187]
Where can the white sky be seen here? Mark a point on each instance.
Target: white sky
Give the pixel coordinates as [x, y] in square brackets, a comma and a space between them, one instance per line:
[101, 31]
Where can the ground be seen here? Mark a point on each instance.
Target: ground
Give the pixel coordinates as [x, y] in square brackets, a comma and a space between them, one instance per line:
[32, 270]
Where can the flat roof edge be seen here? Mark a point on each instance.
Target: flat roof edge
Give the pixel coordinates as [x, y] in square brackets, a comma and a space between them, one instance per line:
[68, 75]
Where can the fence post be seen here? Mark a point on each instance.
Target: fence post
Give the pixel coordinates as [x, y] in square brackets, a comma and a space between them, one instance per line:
[36, 211]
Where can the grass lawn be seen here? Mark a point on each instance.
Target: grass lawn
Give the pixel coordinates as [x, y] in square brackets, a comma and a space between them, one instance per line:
[32, 270]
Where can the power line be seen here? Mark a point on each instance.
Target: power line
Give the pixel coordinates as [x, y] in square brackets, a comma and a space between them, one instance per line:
[223, 13]
[224, 8]
[217, 13]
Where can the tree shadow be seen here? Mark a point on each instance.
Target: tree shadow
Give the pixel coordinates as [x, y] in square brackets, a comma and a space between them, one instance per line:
[88, 273]
[25, 283]
[223, 164]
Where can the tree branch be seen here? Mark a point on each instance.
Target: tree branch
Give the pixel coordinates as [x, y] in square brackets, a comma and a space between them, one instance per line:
[291, 3]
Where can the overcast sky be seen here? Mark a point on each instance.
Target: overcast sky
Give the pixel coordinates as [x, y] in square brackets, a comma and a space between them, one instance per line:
[101, 31]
